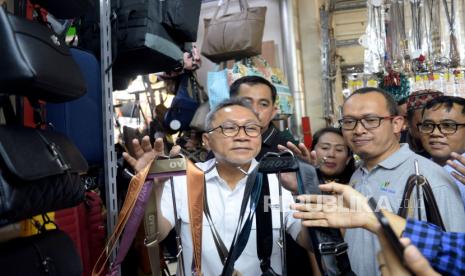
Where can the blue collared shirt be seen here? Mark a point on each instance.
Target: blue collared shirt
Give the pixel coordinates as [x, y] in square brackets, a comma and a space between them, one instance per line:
[444, 250]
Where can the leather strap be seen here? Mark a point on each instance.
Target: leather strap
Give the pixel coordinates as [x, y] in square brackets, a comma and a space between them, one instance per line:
[134, 190]
[329, 246]
[264, 228]
[151, 234]
[433, 214]
[195, 193]
[240, 239]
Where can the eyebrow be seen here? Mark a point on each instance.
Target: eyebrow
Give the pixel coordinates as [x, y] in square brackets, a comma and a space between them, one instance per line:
[331, 144]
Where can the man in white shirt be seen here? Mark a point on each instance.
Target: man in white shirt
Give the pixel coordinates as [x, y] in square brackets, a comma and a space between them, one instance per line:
[234, 136]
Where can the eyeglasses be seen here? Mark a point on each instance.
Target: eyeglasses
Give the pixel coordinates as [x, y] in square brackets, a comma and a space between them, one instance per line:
[367, 122]
[231, 130]
[444, 127]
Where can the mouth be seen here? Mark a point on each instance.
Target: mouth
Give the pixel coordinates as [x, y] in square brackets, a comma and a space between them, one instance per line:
[241, 149]
[361, 142]
[437, 145]
[330, 165]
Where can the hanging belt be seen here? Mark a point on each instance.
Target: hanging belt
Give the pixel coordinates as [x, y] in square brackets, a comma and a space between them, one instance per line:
[329, 246]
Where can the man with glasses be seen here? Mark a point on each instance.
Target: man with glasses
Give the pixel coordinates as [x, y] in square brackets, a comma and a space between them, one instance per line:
[443, 132]
[234, 136]
[371, 125]
[415, 103]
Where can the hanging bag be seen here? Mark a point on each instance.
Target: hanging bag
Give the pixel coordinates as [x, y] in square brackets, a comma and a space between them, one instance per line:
[39, 172]
[183, 107]
[36, 63]
[234, 35]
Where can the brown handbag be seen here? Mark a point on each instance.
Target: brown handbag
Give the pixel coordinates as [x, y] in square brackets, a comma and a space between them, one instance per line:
[234, 35]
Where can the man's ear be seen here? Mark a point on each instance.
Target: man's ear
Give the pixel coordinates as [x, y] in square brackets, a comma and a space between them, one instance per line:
[398, 123]
[206, 140]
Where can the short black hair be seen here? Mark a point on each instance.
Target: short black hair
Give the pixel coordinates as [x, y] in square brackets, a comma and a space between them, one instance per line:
[447, 101]
[391, 104]
[251, 80]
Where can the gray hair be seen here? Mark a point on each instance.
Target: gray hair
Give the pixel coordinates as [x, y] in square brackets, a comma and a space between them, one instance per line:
[228, 102]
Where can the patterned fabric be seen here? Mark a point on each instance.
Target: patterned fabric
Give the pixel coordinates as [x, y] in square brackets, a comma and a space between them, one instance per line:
[444, 250]
[418, 99]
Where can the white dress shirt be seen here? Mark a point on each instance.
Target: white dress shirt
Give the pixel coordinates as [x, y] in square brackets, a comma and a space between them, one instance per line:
[225, 205]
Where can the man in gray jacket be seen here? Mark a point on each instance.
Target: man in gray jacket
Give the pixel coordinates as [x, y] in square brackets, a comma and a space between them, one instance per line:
[371, 125]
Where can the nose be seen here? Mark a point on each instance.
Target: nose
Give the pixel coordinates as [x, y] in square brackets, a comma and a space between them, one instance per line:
[331, 152]
[359, 128]
[436, 131]
[241, 135]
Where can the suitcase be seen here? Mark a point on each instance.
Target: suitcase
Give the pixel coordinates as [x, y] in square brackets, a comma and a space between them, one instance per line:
[86, 226]
[81, 119]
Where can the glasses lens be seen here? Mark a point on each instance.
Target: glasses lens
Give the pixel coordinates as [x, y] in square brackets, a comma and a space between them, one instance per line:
[426, 127]
[371, 122]
[348, 124]
[252, 130]
[230, 130]
[448, 127]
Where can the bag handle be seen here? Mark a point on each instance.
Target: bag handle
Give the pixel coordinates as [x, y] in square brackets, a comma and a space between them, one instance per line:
[135, 187]
[243, 4]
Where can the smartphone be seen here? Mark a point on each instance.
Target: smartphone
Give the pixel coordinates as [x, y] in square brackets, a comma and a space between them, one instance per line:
[387, 230]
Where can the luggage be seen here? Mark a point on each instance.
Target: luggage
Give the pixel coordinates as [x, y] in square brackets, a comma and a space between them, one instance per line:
[181, 18]
[85, 129]
[86, 227]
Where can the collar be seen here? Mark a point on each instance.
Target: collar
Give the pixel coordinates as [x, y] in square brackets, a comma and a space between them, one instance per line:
[270, 132]
[212, 172]
[397, 158]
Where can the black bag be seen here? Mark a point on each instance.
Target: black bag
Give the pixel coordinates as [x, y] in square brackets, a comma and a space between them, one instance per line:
[39, 172]
[65, 9]
[181, 18]
[36, 63]
[50, 253]
[144, 45]
[183, 107]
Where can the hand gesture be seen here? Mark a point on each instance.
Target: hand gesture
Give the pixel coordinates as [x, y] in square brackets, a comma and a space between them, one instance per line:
[302, 152]
[459, 167]
[344, 208]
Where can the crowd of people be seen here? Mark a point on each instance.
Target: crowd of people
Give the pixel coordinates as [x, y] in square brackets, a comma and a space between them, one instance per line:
[428, 137]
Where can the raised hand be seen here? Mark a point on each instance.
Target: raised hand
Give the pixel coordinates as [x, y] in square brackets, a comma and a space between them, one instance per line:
[302, 152]
[459, 167]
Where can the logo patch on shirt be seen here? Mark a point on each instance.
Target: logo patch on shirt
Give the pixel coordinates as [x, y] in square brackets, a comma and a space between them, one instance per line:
[385, 187]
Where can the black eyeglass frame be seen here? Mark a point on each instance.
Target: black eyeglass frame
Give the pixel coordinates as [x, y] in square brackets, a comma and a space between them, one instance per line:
[238, 130]
[457, 125]
[380, 118]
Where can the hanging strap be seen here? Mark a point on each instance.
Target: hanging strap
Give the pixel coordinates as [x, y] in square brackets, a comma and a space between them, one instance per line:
[135, 189]
[196, 198]
[252, 190]
[433, 214]
[264, 228]
[330, 249]
[151, 234]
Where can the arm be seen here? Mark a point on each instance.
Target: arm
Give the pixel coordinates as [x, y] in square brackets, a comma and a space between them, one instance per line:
[345, 208]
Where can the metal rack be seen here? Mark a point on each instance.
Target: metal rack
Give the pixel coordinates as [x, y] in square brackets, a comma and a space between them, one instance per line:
[108, 127]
